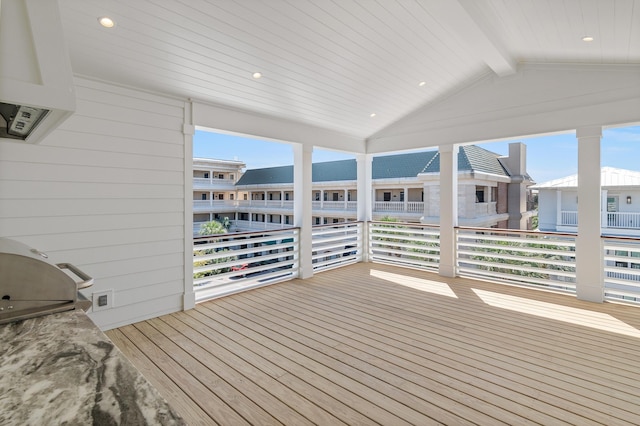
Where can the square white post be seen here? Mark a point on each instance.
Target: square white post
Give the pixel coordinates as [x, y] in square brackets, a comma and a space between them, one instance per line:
[448, 209]
[589, 255]
[302, 205]
[364, 187]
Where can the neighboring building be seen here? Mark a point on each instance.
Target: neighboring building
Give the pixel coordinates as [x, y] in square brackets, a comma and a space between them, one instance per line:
[214, 190]
[492, 191]
[620, 203]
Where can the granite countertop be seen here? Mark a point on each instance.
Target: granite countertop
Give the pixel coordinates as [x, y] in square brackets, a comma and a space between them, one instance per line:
[61, 369]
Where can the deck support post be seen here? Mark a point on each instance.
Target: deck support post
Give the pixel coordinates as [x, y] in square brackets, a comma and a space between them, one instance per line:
[589, 253]
[448, 209]
[188, 130]
[364, 184]
[302, 205]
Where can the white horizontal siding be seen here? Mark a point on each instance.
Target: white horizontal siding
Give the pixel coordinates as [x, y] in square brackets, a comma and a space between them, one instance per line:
[106, 193]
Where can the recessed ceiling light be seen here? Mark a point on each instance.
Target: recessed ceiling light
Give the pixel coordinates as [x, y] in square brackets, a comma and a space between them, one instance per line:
[587, 38]
[106, 22]
[257, 75]
[373, 114]
[422, 83]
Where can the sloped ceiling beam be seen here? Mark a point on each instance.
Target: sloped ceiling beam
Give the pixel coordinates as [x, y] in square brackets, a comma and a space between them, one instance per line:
[471, 30]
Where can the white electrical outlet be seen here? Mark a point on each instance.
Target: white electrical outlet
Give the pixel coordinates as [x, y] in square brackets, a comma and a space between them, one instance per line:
[102, 300]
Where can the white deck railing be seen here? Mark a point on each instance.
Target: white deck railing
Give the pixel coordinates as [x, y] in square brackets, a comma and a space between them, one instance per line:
[228, 263]
[621, 268]
[531, 258]
[336, 245]
[404, 244]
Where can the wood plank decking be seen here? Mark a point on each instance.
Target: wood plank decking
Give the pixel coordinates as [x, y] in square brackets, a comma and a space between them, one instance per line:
[376, 344]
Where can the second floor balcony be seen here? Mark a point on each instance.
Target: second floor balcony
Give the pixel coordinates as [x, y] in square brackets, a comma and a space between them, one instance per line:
[616, 223]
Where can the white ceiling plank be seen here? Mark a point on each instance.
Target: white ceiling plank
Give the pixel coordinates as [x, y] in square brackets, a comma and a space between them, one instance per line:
[331, 63]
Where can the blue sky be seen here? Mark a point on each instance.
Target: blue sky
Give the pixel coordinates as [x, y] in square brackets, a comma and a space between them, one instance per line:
[548, 157]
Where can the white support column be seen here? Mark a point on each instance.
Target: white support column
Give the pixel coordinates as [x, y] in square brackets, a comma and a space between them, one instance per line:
[448, 209]
[346, 197]
[405, 207]
[364, 188]
[302, 205]
[589, 255]
[281, 198]
[321, 199]
[559, 208]
[188, 297]
[604, 223]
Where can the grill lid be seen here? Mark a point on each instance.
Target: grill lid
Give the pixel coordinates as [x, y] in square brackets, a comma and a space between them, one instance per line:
[31, 285]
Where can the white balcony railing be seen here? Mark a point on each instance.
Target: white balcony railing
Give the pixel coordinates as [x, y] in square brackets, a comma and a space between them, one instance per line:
[532, 258]
[399, 207]
[568, 218]
[209, 183]
[621, 268]
[246, 225]
[334, 205]
[228, 263]
[336, 245]
[405, 244]
[617, 220]
[212, 205]
[486, 209]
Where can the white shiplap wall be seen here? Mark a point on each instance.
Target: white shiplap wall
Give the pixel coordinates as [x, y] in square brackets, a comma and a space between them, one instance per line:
[105, 192]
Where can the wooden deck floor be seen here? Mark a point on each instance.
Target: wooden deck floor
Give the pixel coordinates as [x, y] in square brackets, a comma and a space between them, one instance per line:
[375, 344]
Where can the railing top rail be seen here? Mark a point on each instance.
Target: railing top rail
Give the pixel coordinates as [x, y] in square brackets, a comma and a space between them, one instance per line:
[622, 239]
[240, 234]
[516, 231]
[415, 225]
[329, 225]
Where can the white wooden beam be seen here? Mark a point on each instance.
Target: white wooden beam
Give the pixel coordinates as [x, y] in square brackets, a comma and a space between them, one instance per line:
[473, 32]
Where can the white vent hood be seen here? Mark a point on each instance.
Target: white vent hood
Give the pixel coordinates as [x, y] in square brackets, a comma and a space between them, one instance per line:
[36, 81]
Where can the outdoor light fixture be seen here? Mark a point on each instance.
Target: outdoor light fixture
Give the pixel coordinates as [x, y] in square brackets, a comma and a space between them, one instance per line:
[587, 38]
[628, 199]
[106, 22]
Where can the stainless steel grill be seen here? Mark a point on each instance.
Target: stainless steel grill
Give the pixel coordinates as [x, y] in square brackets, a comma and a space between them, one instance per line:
[31, 285]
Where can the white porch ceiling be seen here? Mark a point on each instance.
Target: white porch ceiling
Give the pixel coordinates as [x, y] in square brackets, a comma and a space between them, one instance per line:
[332, 64]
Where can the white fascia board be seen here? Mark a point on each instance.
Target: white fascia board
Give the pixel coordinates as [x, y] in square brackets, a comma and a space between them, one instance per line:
[252, 124]
[538, 99]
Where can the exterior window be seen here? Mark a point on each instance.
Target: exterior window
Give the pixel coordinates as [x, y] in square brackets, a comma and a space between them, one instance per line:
[231, 177]
[479, 196]
[335, 196]
[386, 196]
[220, 176]
[206, 175]
[317, 221]
[286, 196]
[401, 195]
[204, 196]
[317, 196]
[231, 196]
[245, 196]
[220, 196]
